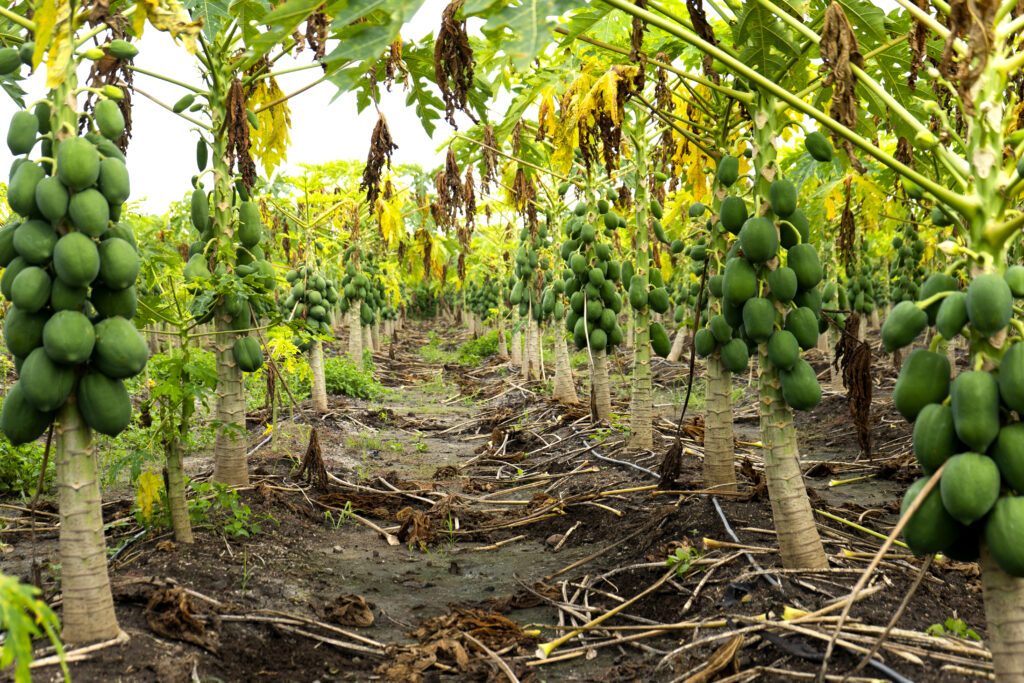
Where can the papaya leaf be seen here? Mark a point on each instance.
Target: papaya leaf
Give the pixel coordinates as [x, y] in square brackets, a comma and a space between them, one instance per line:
[761, 32]
[528, 21]
[270, 141]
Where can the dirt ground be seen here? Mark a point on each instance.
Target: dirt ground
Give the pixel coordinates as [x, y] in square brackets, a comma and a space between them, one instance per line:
[471, 519]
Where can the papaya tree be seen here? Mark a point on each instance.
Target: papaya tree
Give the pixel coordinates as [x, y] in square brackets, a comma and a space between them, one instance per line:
[242, 117]
[67, 255]
[975, 178]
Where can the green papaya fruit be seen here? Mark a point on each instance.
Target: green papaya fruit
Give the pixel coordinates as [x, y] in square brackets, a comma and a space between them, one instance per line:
[818, 146]
[923, 379]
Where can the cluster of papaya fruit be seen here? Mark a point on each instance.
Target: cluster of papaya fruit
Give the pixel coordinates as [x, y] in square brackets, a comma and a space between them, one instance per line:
[69, 272]
[864, 291]
[251, 264]
[907, 271]
[482, 298]
[590, 280]
[361, 287]
[684, 296]
[970, 423]
[523, 281]
[250, 259]
[311, 298]
[768, 290]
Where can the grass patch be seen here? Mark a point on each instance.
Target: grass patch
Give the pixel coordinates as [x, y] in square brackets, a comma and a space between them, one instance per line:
[343, 377]
[469, 354]
[475, 350]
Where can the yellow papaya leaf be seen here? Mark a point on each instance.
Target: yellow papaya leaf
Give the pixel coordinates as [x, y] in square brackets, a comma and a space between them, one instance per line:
[270, 141]
[147, 492]
[1014, 117]
[830, 206]
[170, 16]
[389, 214]
[696, 178]
[45, 17]
[53, 38]
[604, 95]
[666, 265]
[547, 120]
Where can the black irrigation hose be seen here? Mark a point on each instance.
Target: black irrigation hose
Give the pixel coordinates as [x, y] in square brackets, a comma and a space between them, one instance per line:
[693, 350]
[613, 460]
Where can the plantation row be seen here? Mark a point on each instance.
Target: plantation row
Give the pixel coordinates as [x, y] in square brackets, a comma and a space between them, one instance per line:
[742, 187]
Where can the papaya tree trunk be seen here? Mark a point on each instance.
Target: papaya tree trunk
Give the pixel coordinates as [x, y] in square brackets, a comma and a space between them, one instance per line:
[537, 357]
[524, 369]
[628, 337]
[677, 345]
[600, 392]
[517, 348]
[364, 331]
[88, 603]
[375, 335]
[355, 335]
[180, 522]
[230, 466]
[719, 467]
[641, 406]
[502, 345]
[564, 387]
[316, 366]
[799, 542]
[1004, 614]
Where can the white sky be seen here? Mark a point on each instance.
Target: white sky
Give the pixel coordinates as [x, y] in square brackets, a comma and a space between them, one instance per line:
[161, 155]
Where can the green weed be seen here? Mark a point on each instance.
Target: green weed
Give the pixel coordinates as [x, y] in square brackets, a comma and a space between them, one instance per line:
[344, 378]
[954, 628]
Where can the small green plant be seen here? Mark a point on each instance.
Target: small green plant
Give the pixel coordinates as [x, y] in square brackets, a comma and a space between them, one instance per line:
[417, 443]
[343, 377]
[23, 616]
[449, 528]
[475, 350]
[344, 516]
[219, 507]
[954, 628]
[364, 441]
[19, 468]
[433, 353]
[246, 573]
[681, 560]
[395, 446]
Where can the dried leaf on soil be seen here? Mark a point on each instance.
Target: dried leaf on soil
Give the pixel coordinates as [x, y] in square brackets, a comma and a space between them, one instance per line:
[348, 609]
[169, 613]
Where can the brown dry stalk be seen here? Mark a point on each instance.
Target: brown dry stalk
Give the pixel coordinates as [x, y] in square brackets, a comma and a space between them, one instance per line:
[637, 30]
[970, 20]
[394, 66]
[238, 135]
[848, 234]
[450, 194]
[839, 51]
[918, 40]
[703, 29]
[453, 63]
[490, 155]
[855, 357]
[516, 137]
[381, 148]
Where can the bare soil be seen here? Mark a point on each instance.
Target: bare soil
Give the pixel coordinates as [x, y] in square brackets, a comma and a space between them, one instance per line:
[510, 532]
